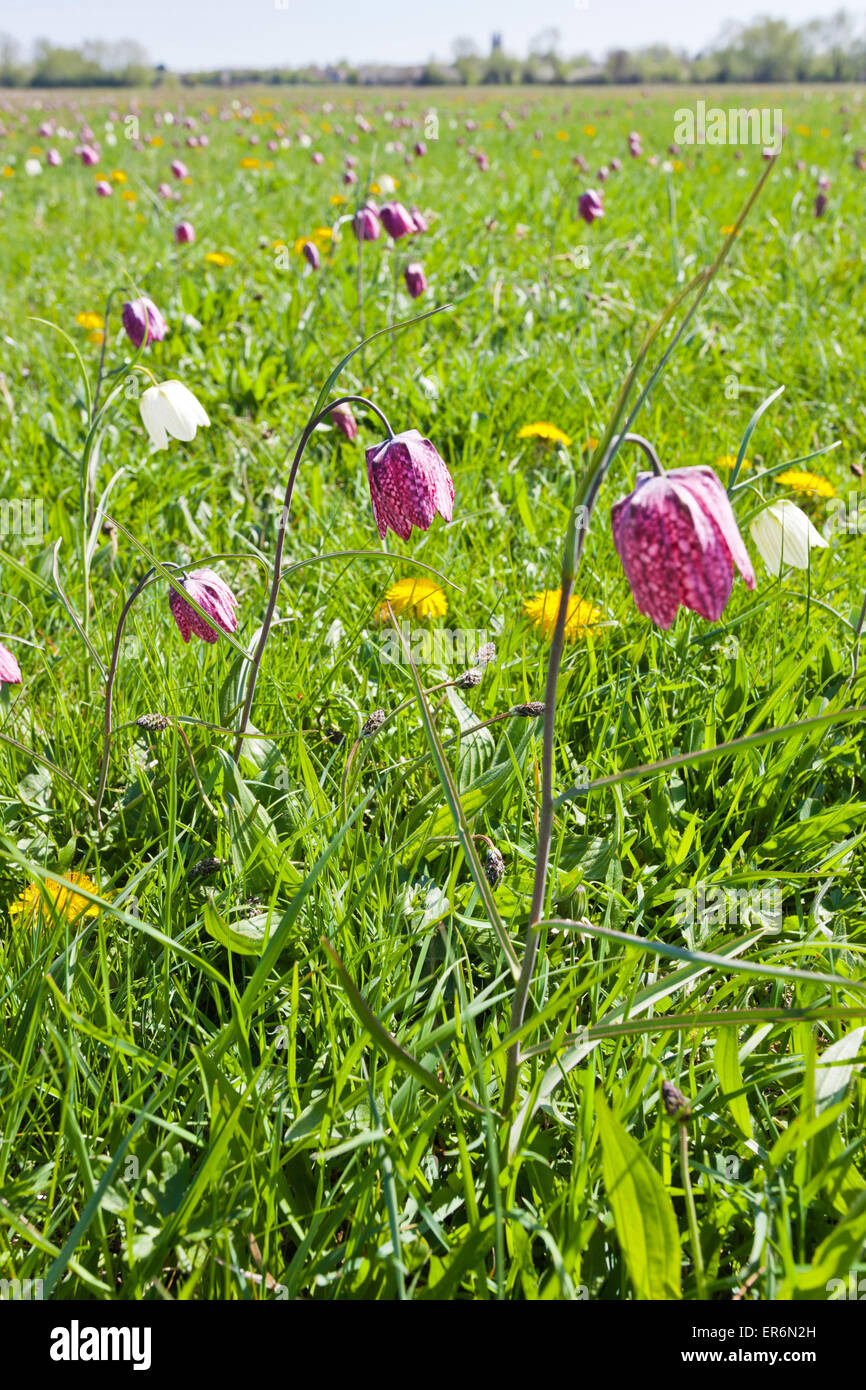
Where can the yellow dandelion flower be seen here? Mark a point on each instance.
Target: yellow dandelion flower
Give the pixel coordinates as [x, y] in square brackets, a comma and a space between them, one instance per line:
[727, 229]
[25, 909]
[219, 258]
[336, 200]
[542, 611]
[129, 195]
[589, 130]
[96, 336]
[8, 171]
[249, 161]
[35, 149]
[419, 597]
[535, 154]
[729, 461]
[678, 166]
[825, 131]
[299, 244]
[326, 127]
[542, 429]
[802, 130]
[156, 141]
[322, 236]
[562, 135]
[809, 483]
[117, 176]
[89, 320]
[374, 188]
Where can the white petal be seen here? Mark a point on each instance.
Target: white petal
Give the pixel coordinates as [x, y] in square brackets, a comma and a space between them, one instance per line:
[784, 535]
[152, 411]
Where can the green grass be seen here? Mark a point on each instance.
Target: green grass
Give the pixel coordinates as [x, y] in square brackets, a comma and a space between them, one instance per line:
[183, 1119]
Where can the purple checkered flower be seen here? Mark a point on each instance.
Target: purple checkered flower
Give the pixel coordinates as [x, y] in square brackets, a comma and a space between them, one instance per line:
[678, 542]
[590, 206]
[213, 595]
[10, 671]
[409, 484]
[143, 322]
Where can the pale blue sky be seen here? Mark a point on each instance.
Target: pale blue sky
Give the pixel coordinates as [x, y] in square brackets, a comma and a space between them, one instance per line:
[256, 33]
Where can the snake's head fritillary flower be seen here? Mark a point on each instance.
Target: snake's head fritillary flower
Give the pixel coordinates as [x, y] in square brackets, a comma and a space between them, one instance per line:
[409, 484]
[397, 220]
[416, 280]
[171, 410]
[366, 225]
[54, 158]
[784, 535]
[179, 169]
[311, 254]
[421, 223]
[10, 671]
[679, 544]
[345, 421]
[213, 595]
[89, 155]
[143, 322]
[349, 177]
[184, 233]
[820, 204]
[104, 189]
[590, 206]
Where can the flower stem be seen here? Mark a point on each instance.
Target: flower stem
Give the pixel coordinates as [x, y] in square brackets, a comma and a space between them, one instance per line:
[694, 1234]
[278, 555]
[573, 550]
[109, 689]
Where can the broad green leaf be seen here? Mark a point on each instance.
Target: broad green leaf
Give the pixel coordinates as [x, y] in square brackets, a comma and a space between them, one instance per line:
[643, 1213]
[727, 1060]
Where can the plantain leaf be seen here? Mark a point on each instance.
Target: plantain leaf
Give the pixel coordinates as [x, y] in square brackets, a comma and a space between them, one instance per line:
[643, 1213]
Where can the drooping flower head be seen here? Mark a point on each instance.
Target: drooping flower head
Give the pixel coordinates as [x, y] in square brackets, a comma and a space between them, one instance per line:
[397, 220]
[366, 224]
[345, 421]
[311, 255]
[590, 206]
[171, 410]
[184, 233]
[10, 671]
[143, 322]
[213, 595]
[416, 280]
[678, 542]
[409, 484]
[784, 535]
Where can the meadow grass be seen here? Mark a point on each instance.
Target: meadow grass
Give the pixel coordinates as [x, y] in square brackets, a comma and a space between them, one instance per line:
[199, 1099]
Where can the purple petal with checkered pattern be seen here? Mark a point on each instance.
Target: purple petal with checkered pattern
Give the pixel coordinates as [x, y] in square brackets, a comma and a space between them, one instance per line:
[214, 596]
[678, 542]
[409, 484]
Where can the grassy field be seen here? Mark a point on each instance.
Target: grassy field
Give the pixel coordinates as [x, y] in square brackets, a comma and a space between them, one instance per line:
[284, 1074]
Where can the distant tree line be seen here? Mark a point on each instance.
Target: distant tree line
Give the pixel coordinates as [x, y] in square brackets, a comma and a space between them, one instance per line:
[832, 49]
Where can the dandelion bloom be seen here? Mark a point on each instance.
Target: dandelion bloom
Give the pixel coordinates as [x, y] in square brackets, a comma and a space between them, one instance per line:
[543, 608]
[809, 483]
[678, 542]
[89, 320]
[729, 461]
[543, 429]
[143, 322]
[171, 410]
[10, 671]
[419, 597]
[67, 904]
[218, 258]
[785, 535]
[213, 595]
[409, 484]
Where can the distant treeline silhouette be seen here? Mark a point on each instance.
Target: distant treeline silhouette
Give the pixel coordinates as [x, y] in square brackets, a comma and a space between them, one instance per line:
[831, 49]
